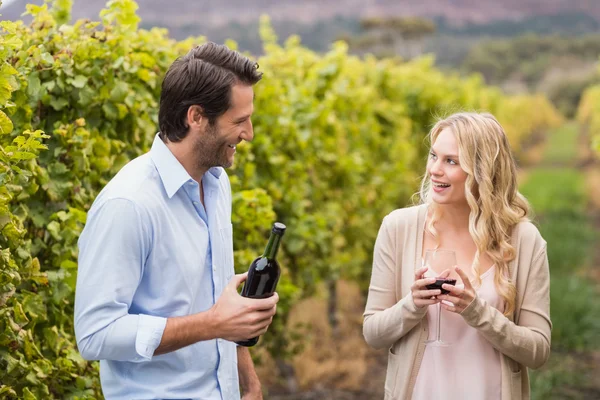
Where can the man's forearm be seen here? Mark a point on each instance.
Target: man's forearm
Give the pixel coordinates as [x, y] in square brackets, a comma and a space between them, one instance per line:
[248, 379]
[184, 331]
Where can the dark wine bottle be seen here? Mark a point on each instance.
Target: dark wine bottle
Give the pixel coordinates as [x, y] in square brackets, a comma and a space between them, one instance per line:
[263, 273]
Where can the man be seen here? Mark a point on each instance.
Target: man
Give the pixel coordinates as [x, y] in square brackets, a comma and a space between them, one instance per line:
[156, 297]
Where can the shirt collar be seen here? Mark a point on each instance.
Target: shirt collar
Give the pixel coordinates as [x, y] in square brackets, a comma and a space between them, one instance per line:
[172, 173]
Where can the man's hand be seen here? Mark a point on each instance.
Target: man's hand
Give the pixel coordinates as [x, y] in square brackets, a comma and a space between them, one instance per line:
[233, 318]
[239, 318]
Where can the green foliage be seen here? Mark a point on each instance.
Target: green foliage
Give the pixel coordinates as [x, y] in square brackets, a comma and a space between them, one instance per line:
[21, 362]
[560, 199]
[450, 45]
[316, 35]
[93, 88]
[588, 114]
[560, 190]
[339, 143]
[566, 94]
[61, 11]
[528, 56]
[576, 314]
[560, 379]
[562, 148]
[566, 255]
[407, 27]
[564, 23]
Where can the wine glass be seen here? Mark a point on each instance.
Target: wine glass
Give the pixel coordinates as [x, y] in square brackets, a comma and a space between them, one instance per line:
[442, 262]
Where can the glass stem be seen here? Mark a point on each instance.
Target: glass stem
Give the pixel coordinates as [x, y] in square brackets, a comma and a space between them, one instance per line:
[439, 324]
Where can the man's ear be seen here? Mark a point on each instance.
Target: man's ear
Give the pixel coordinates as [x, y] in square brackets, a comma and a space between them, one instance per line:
[195, 119]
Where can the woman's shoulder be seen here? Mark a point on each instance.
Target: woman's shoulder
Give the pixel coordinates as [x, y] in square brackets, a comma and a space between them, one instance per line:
[404, 216]
[526, 233]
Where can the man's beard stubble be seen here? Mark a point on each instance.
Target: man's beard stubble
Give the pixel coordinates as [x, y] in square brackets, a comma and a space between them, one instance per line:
[210, 151]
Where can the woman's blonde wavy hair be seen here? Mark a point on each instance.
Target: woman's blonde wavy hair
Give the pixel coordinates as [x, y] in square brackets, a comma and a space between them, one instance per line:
[491, 191]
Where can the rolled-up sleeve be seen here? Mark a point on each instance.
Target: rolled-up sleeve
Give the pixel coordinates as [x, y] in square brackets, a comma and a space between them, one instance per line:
[527, 342]
[387, 319]
[113, 247]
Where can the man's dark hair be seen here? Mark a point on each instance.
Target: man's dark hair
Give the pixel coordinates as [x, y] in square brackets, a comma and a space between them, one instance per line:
[203, 77]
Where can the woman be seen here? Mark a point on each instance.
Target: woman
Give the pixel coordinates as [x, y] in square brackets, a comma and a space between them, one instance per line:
[469, 204]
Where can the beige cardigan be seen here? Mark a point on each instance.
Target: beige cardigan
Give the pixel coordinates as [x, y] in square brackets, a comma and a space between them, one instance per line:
[391, 319]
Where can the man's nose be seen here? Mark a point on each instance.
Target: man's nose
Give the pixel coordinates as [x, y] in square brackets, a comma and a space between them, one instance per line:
[248, 133]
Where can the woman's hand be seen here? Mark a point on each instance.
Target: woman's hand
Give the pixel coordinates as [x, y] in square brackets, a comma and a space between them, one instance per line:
[423, 297]
[461, 298]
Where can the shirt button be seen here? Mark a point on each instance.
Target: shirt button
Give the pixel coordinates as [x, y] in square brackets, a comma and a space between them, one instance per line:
[196, 203]
[192, 183]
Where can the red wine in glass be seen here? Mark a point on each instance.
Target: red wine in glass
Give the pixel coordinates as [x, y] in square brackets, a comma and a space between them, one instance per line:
[439, 282]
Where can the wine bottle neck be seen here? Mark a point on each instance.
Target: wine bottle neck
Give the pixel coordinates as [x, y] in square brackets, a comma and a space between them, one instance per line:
[272, 246]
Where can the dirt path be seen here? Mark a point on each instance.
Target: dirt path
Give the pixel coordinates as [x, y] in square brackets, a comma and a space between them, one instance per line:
[334, 368]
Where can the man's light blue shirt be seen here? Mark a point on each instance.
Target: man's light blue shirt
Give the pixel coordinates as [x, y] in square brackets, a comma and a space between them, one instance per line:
[150, 250]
